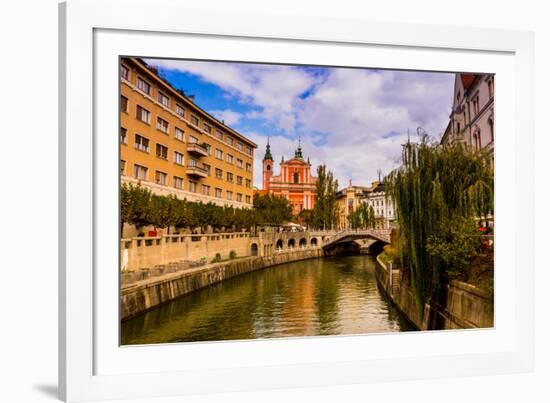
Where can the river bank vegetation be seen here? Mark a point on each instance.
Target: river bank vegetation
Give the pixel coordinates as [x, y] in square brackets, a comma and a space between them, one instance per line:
[140, 207]
[443, 195]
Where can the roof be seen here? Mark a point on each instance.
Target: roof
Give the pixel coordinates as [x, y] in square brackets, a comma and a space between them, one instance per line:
[467, 80]
[294, 161]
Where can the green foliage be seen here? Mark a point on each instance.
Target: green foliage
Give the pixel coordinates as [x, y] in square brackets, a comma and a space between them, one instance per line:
[271, 209]
[454, 244]
[232, 255]
[138, 206]
[135, 205]
[217, 258]
[362, 217]
[306, 217]
[438, 192]
[325, 211]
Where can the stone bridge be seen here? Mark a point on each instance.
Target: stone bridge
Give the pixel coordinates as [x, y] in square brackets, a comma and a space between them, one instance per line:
[351, 235]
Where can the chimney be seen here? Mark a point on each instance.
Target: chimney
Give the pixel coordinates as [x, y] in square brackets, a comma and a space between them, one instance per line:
[191, 98]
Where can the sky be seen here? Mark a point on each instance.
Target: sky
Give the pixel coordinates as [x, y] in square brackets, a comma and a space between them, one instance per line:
[354, 120]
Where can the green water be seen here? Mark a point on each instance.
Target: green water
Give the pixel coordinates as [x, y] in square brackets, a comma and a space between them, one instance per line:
[329, 296]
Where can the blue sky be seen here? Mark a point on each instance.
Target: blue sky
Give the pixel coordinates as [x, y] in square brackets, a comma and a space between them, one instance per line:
[353, 120]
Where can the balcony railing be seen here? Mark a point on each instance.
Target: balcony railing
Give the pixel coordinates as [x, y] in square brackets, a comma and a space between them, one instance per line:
[197, 170]
[197, 149]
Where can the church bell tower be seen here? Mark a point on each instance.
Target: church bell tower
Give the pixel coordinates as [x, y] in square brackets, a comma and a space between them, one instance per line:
[267, 166]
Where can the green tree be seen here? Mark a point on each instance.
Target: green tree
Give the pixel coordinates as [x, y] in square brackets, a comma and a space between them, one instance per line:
[439, 192]
[135, 205]
[271, 209]
[325, 211]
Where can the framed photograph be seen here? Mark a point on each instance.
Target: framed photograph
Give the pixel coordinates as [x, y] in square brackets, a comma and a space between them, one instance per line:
[245, 208]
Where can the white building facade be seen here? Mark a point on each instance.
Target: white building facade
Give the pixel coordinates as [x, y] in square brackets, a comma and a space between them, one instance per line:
[382, 204]
[472, 116]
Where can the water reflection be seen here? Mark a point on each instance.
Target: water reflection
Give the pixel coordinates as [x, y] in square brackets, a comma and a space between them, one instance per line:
[331, 296]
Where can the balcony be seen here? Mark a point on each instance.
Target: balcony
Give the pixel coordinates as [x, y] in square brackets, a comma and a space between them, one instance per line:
[197, 171]
[197, 149]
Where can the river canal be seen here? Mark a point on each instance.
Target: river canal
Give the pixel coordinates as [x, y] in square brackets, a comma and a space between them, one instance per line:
[327, 296]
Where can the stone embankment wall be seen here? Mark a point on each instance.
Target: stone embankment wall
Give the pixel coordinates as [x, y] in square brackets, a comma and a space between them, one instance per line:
[148, 252]
[460, 305]
[145, 294]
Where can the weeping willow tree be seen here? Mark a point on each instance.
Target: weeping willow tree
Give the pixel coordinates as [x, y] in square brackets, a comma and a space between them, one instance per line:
[440, 192]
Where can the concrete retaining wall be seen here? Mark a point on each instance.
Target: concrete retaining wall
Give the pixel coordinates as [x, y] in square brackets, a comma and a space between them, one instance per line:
[142, 295]
[459, 306]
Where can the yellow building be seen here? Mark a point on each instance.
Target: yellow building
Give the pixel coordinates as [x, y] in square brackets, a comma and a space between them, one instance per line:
[349, 199]
[172, 146]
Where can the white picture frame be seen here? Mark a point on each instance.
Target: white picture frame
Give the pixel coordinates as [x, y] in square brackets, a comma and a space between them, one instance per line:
[92, 366]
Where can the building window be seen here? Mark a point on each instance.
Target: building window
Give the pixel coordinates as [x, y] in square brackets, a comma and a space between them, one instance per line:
[123, 135]
[476, 105]
[219, 173]
[143, 114]
[123, 104]
[249, 150]
[122, 167]
[180, 135]
[248, 183]
[219, 154]
[208, 148]
[180, 110]
[239, 163]
[229, 177]
[239, 146]
[124, 72]
[490, 85]
[239, 197]
[194, 120]
[162, 151]
[248, 167]
[219, 135]
[140, 172]
[491, 129]
[248, 199]
[239, 180]
[193, 162]
[178, 158]
[206, 190]
[193, 186]
[230, 140]
[141, 143]
[160, 178]
[163, 99]
[207, 168]
[143, 86]
[296, 177]
[193, 140]
[162, 125]
[218, 193]
[178, 182]
[229, 195]
[229, 158]
[207, 128]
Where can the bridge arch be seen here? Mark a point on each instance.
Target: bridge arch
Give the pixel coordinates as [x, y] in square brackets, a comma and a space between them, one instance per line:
[291, 243]
[279, 245]
[302, 243]
[313, 242]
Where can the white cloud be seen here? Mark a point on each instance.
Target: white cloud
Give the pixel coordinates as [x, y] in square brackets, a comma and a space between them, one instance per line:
[274, 89]
[228, 116]
[358, 118]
